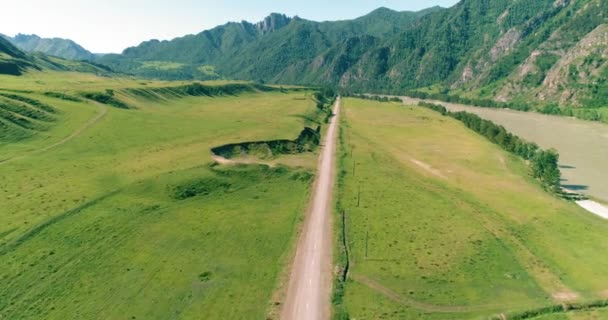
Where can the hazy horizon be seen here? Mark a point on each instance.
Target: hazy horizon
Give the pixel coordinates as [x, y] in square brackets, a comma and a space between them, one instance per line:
[114, 25]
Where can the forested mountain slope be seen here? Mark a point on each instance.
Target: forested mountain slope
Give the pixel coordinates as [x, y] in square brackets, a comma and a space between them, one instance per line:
[508, 50]
[58, 47]
[12, 60]
[16, 62]
[261, 51]
[544, 50]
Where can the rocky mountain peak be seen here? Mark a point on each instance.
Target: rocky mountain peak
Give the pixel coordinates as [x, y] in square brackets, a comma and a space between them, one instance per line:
[272, 23]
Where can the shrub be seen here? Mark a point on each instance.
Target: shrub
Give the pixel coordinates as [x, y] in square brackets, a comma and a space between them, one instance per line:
[105, 98]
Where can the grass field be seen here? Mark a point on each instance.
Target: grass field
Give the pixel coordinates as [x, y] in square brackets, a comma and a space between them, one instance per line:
[112, 213]
[161, 65]
[442, 224]
[583, 145]
[75, 81]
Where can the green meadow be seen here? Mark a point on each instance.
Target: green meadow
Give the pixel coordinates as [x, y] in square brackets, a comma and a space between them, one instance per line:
[122, 214]
[442, 224]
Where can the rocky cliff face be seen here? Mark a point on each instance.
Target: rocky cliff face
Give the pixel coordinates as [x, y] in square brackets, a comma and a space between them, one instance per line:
[570, 66]
[272, 23]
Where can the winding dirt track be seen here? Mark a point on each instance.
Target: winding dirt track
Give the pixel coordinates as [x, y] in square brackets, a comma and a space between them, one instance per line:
[102, 112]
[424, 306]
[308, 294]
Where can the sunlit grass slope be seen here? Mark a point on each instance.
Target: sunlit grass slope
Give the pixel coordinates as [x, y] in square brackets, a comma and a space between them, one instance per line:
[442, 224]
[118, 213]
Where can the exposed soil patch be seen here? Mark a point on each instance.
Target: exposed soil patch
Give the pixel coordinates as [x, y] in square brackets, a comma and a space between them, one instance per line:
[237, 161]
[565, 296]
[502, 160]
[428, 168]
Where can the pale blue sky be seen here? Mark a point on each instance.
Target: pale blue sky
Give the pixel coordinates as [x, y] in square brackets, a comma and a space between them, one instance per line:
[104, 26]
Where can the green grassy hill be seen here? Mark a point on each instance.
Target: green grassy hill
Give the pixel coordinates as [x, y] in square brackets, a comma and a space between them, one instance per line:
[120, 213]
[443, 224]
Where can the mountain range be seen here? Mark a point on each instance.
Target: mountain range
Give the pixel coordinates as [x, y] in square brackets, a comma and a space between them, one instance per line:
[58, 47]
[505, 50]
[14, 61]
[261, 51]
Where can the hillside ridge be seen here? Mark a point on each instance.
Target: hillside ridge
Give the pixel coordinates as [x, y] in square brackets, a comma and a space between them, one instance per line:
[59, 47]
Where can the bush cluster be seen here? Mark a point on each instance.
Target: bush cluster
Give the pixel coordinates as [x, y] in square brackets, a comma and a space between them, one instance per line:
[105, 98]
[590, 114]
[374, 98]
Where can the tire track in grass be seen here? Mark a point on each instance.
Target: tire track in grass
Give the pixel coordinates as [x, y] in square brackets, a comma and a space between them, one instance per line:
[423, 306]
[41, 227]
[494, 223]
[544, 276]
[102, 113]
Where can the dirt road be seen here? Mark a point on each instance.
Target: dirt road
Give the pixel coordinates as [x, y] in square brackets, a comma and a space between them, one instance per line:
[308, 294]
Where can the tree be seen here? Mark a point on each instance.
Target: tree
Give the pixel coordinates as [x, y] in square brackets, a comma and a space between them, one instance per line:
[545, 167]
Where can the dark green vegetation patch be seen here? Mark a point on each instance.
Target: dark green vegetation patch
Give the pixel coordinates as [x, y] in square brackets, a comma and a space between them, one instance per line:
[233, 179]
[33, 102]
[199, 90]
[105, 98]
[307, 141]
[62, 96]
[554, 309]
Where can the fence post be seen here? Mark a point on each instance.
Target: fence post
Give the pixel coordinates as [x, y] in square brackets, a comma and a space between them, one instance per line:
[359, 197]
